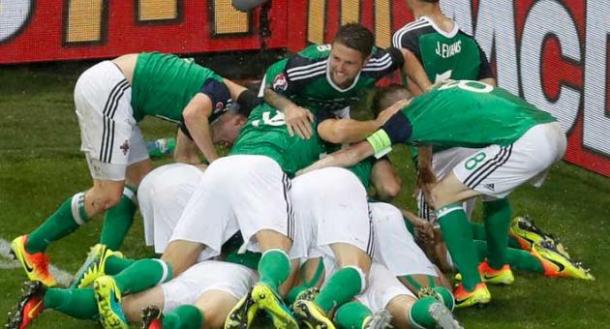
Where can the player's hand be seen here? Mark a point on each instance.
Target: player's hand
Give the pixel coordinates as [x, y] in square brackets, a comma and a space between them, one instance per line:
[298, 120]
[386, 114]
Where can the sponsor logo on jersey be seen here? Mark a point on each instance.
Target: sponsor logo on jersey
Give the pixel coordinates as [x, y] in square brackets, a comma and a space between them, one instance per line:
[445, 50]
[280, 82]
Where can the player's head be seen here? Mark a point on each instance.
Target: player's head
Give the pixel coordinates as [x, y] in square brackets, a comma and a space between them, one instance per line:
[351, 50]
[226, 127]
[387, 96]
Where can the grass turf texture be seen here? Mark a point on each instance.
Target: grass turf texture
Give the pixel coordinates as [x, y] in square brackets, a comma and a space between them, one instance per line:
[41, 165]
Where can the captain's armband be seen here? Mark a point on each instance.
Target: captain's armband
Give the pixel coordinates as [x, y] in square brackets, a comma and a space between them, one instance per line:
[381, 143]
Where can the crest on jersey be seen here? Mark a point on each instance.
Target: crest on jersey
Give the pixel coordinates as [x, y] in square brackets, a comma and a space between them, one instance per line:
[280, 82]
[125, 147]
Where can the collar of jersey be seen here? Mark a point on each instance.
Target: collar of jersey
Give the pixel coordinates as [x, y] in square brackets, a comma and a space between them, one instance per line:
[330, 81]
[449, 34]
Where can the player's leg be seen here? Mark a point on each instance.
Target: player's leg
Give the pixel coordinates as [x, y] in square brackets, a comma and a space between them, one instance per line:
[310, 275]
[335, 199]
[261, 204]
[78, 303]
[385, 292]
[163, 196]
[455, 227]
[103, 124]
[213, 289]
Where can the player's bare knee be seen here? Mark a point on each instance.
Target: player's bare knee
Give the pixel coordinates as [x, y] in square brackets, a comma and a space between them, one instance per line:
[388, 191]
[399, 307]
[181, 255]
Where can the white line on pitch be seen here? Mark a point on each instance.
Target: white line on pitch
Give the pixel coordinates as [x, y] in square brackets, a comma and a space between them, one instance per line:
[7, 262]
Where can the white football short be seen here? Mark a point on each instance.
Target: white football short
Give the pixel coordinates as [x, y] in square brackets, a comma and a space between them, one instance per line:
[497, 170]
[330, 207]
[238, 192]
[110, 137]
[381, 288]
[395, 247]
[162, 195]
[442, 164]
[186, 288]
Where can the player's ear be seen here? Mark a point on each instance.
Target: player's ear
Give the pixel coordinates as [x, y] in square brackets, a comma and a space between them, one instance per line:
[366, 60]
[239, 120]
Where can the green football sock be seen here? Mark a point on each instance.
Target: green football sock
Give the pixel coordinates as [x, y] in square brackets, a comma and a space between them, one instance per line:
[419, 314]
[458, 238]
[143, 274]
[445, 296]
[317, 277]
[351, 315]
[118, 220]
[518, 259]
[184, 317]
[114, 264]
[341, 287]
[78, 303]
[274, 268]
[59, 224]
[478, 233]
[522, 260]
[497, 223]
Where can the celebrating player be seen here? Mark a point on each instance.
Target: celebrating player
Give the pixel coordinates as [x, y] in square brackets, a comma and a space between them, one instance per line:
[518, 143]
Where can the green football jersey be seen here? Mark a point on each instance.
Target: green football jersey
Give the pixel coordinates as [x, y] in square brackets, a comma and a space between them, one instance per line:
[304, 78]
[163, 84]
[461, 113]
[266, 134]
[444, 55]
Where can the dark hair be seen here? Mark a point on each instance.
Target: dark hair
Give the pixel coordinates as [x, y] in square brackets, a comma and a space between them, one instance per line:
[386, 96]
[356, 36]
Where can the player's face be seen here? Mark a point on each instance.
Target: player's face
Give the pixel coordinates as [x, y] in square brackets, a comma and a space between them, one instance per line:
[345, 64]
[226, 129]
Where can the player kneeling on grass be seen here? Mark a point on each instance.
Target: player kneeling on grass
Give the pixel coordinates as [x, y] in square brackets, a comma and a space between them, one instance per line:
[518, 145]
[111, 98]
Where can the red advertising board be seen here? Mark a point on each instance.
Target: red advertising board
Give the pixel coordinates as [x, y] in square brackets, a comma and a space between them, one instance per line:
[553, 53]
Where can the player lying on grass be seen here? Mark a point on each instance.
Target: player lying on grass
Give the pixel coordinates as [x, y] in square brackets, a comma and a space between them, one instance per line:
[518, 143]
[111, 98]
[162, 196]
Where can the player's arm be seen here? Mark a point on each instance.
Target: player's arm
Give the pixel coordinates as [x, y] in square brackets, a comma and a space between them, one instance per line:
[396, 130]
[344, 131]
[196, 119]
[486, 74]
[414, 71]
[276, 86]
[345, 158]
[385, 179]
[234, 89]
[341, 131]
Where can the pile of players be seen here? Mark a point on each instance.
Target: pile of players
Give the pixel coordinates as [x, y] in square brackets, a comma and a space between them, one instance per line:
[293, 224]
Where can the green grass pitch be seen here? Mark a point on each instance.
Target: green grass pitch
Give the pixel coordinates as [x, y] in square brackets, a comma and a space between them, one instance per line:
[40, 165]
